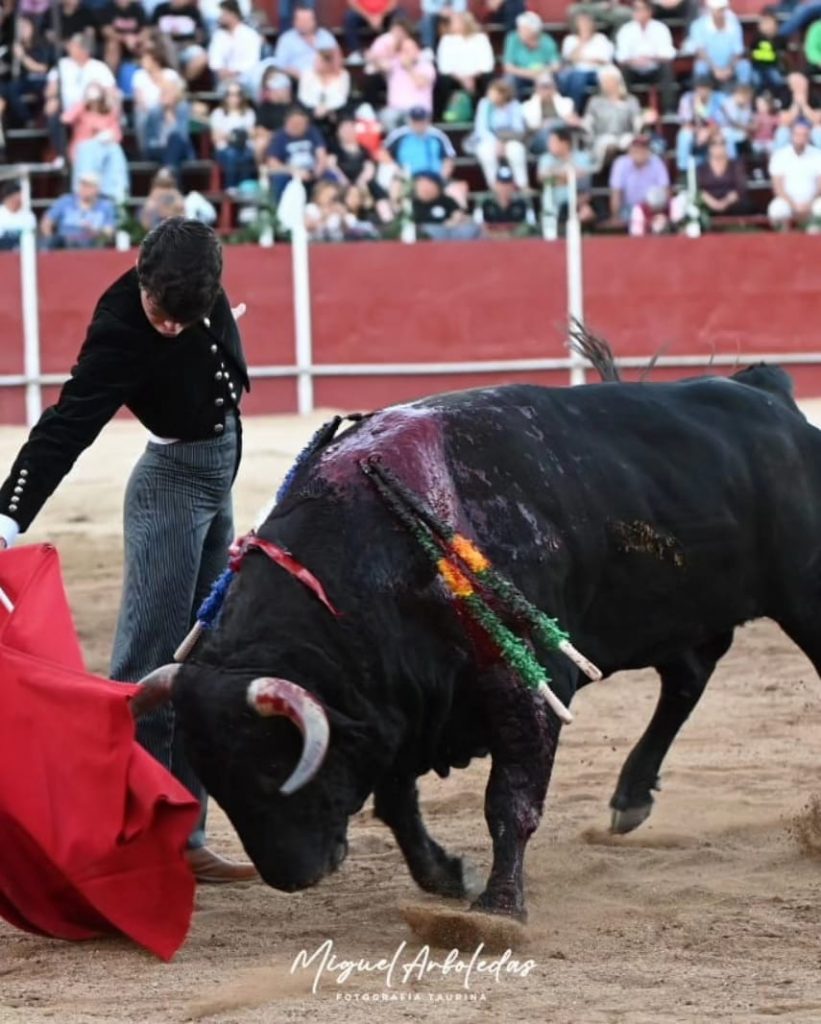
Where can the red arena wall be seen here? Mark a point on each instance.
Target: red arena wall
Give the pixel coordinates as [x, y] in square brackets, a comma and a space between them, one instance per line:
[390, 303]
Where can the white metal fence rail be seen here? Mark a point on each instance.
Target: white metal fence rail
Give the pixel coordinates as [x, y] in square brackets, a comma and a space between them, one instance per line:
[304, 371]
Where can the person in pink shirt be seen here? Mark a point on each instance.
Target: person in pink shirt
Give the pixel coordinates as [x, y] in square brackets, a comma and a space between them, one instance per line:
[409, 72]
[96, 113]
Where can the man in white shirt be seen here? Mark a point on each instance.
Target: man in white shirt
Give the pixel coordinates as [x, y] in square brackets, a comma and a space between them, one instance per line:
[235, 48]
[645, 52]
[14, 220]
[795, 171]
[66, 84]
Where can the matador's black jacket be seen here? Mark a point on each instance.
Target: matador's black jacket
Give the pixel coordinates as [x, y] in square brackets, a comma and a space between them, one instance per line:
[180, 388]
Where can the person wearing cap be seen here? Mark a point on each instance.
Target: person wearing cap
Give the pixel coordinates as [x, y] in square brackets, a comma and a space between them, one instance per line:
[505, 212]
[418, 147]
[235, 48]
[717, 43]
[83, 219]
[645, 52]
[14, 220]
[528, 52]
[164, 343]
[639, 179]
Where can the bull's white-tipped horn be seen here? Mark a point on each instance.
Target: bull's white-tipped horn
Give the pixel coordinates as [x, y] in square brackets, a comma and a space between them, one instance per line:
[155, 690]
[270, 697]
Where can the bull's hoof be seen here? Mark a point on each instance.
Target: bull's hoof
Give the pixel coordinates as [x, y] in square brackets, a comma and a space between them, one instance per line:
[503, 906]
[624, 821]
[453, 878]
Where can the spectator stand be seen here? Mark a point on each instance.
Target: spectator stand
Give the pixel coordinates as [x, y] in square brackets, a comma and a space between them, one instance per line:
[31, 144]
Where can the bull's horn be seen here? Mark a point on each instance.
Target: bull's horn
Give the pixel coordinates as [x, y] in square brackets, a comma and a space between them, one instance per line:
[270, 697]
[155, 690]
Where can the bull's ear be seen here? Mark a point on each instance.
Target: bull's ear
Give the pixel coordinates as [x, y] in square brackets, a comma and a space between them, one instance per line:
[155, 690]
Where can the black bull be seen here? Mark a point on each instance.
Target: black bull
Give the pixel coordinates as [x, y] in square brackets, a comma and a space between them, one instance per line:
[650, 519]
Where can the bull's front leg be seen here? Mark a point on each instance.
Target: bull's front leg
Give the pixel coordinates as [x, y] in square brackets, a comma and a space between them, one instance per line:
[523, 738]
[396, 802]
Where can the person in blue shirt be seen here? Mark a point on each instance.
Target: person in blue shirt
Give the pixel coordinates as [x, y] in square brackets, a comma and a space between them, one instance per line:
[702, 115]
[80, 220]
[717, 43]
[419, 148]
[297, 149]
[297, 48]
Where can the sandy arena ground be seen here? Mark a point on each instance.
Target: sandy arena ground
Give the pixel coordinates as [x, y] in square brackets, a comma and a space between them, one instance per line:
[709, 912]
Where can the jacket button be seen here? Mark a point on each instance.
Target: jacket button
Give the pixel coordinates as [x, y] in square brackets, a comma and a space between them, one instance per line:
[18, 490]
[214, 349]
[218, 375]
[219, 402]
[218, 428]
[24, 472]
[206, 321]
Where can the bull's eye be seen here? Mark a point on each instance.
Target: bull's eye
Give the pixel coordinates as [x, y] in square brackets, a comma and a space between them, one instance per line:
[268, 785]
[270, 776]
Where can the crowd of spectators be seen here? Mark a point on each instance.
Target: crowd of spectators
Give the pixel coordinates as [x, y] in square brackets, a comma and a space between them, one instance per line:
[374, 120]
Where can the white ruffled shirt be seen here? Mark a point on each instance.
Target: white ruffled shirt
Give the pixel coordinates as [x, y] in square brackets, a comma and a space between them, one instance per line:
[463, 56]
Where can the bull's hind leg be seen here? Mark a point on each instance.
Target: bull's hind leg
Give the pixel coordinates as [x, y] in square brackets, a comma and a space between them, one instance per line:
[523, 734]
[683, 680]
[396, 802]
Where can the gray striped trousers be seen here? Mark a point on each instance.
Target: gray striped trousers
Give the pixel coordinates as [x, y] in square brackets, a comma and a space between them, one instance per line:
[178, 525]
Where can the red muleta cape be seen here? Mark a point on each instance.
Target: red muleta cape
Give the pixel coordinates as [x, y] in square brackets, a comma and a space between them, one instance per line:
[92, 828]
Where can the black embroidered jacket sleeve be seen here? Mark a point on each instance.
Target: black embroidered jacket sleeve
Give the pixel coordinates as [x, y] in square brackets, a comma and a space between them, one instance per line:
[109, 368]
[181, 388]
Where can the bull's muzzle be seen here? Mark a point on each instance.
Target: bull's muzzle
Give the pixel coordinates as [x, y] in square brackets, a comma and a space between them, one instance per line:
[269, 697]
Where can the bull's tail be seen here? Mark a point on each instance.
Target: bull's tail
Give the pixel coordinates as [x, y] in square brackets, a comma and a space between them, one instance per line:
[594, 349]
